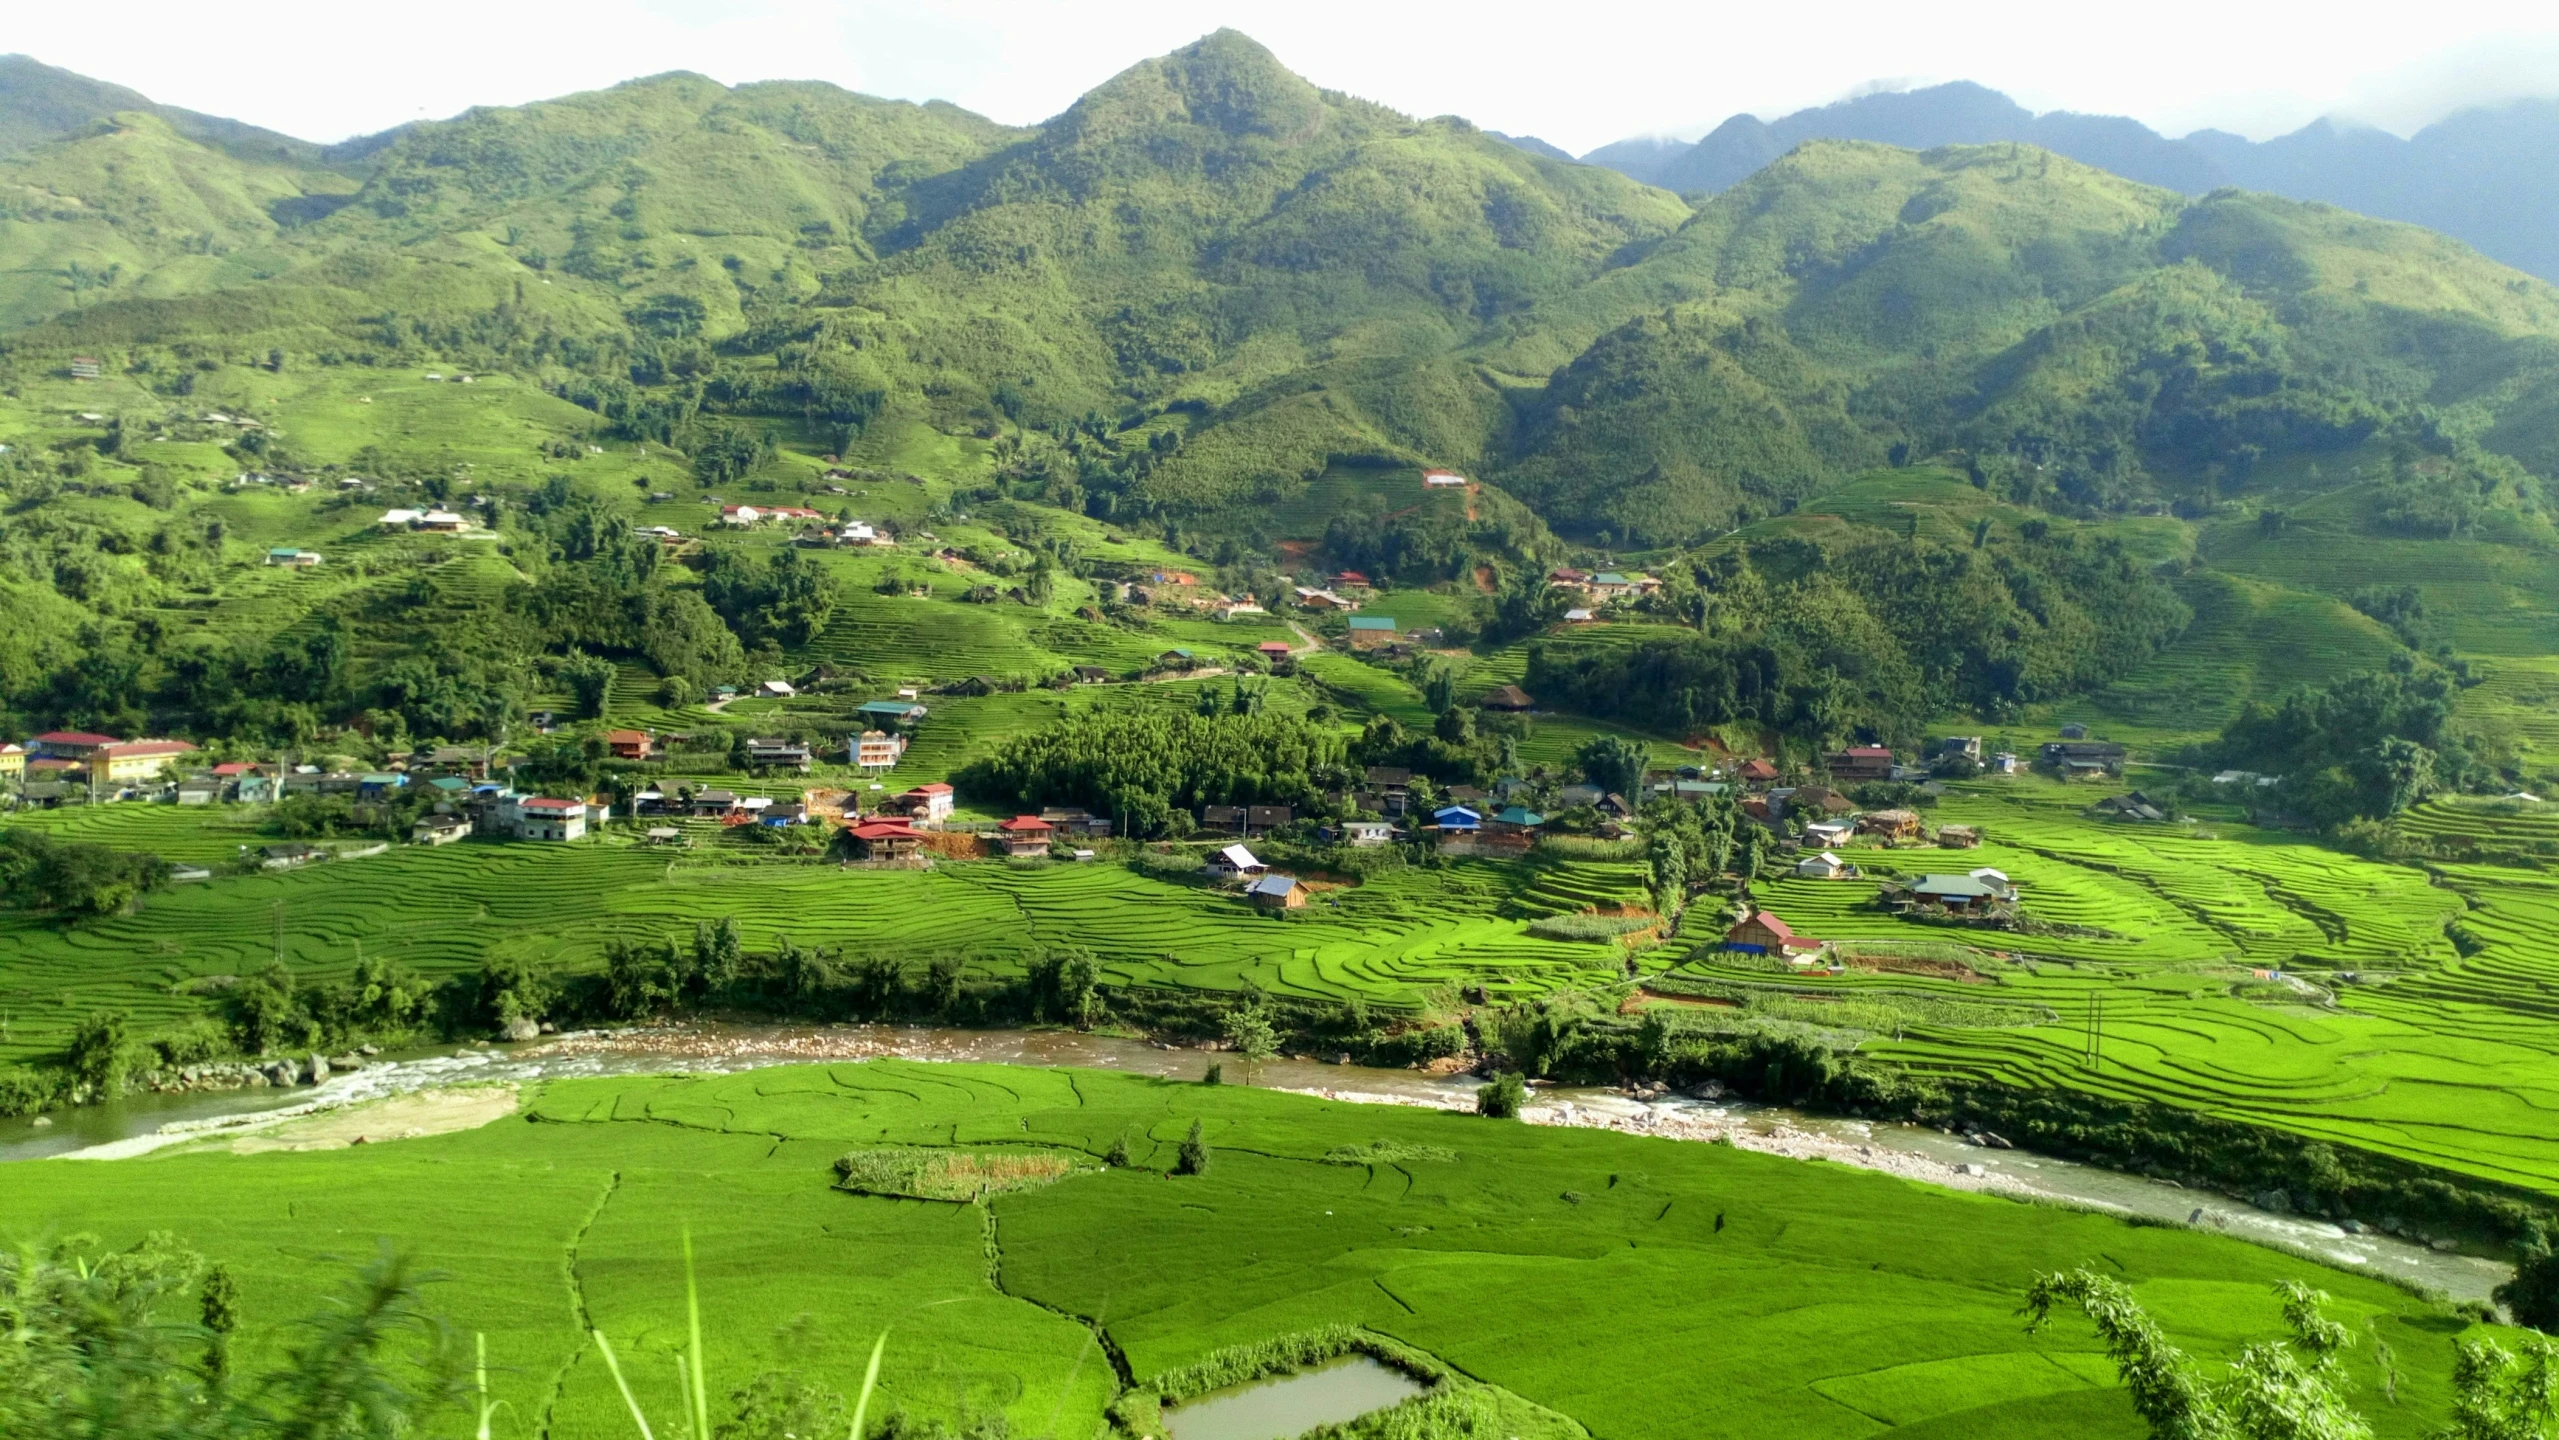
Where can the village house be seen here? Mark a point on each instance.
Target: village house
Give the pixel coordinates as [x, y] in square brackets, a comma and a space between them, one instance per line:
[1829, 834]
[1889, 826]
[1567, 578]
[930, 803]
[401, 519]
[1274, 651]
[2074, 731]
[1824, 865]
[441, 522]
[439, 830]
[1233, 862]
[1350, 580]
[1366, 834]
[777, 690]
[1312, 598]
[886, 839]
[292, 558]
[1959, 894]
[1859, 763]
[2003, 763]
[665, 835]
[714, 804]
[2132, 805]
[1370, 632]
[197, 790]
[537, 817]
[1968, 746]
[1817, 800]
[289, 857]
[2084, 757]
[123, 761]
[1277, 892]
[1514, 820]
[1392, 786]
[13, 762]
[1580, 615]
[1959, 837]
[1234, 608]
[782, 752]
[894, 712]
[878, 749]
[1092, 675]
[1025, 835]
[1075, 821]
[1755, 771]
[1177, 658]
[1577, 795]
[1442, 480]
[1457, 822]
[1760, 932]
[630, 744]
[1508, 698]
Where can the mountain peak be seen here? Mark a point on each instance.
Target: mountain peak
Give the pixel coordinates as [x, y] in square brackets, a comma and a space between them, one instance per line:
[1224, 81]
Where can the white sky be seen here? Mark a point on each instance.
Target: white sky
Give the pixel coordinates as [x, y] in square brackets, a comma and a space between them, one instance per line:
[327, 69]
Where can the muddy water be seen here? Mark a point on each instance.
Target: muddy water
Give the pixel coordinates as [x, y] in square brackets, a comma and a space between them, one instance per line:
[141, 1124]
[1290, 1405]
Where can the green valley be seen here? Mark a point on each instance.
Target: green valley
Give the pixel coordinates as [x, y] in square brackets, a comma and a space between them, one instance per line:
[1953, 637]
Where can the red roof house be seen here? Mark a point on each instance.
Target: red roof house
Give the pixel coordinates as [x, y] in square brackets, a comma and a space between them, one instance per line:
[1756, 771]
[1761, 933]
[1025, 835]
[886, 839]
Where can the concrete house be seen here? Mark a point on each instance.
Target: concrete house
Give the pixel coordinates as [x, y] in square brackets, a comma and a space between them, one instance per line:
[538, 817]
[1859, 763]
[1456, 822]
[887, 839]
[439, 830]
[927, 802]
[878, 750]
[630, 744]
[1025, 835]
[791, 753]
[1957, 893]
[1367, 834]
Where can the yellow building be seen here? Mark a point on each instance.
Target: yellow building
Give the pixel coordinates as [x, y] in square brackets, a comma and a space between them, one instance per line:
[13, 762]
[141, 759]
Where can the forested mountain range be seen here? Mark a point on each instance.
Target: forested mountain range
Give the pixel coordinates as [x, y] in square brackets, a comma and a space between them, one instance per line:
[1302, 280]
[1217, 307]
[2488, 176]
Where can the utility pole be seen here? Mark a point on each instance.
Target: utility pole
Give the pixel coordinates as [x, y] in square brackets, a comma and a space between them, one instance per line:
[2093, 1052]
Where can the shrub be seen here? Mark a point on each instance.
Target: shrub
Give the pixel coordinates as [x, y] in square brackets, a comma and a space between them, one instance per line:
[1193, 1159]
[101, 1052]
[1501, 1100]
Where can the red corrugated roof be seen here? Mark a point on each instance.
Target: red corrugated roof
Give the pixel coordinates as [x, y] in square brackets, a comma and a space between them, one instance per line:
[886, 830]
[1870, 752]
[936, 788]
[74, 737]
[1026, 823]
[1775, 926]
[543, 803]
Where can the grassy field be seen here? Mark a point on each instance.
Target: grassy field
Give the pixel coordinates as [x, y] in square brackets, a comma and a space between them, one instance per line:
[1398, 940]
[1773, 1296]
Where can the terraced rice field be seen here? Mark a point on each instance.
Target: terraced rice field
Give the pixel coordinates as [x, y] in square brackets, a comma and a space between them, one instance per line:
[2394, 1039]
[1393, 941]
[1801, 1300]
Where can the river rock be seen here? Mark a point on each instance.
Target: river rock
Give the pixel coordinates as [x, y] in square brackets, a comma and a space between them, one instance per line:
[42, 1122]
[281, 1073]
[1995, 1141]
[316, 1069]
[1968, 1168]
[2272, 1200]
[2444, 1247]
[368, 1050]
[522, 1028]
[2351, 1226]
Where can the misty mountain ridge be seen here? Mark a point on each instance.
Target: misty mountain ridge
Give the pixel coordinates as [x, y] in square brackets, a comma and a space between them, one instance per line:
[2488, 176]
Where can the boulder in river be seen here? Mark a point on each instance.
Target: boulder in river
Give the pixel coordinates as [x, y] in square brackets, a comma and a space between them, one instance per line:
[522, 1027]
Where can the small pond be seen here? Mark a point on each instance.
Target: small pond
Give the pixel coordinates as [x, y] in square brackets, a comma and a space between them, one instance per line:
[1289, 1405]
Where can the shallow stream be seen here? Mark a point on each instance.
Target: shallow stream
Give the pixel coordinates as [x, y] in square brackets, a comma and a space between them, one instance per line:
[142, 1123]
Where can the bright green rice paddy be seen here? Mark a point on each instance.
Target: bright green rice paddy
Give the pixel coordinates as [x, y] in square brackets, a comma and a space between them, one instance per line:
[1641, 1287]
